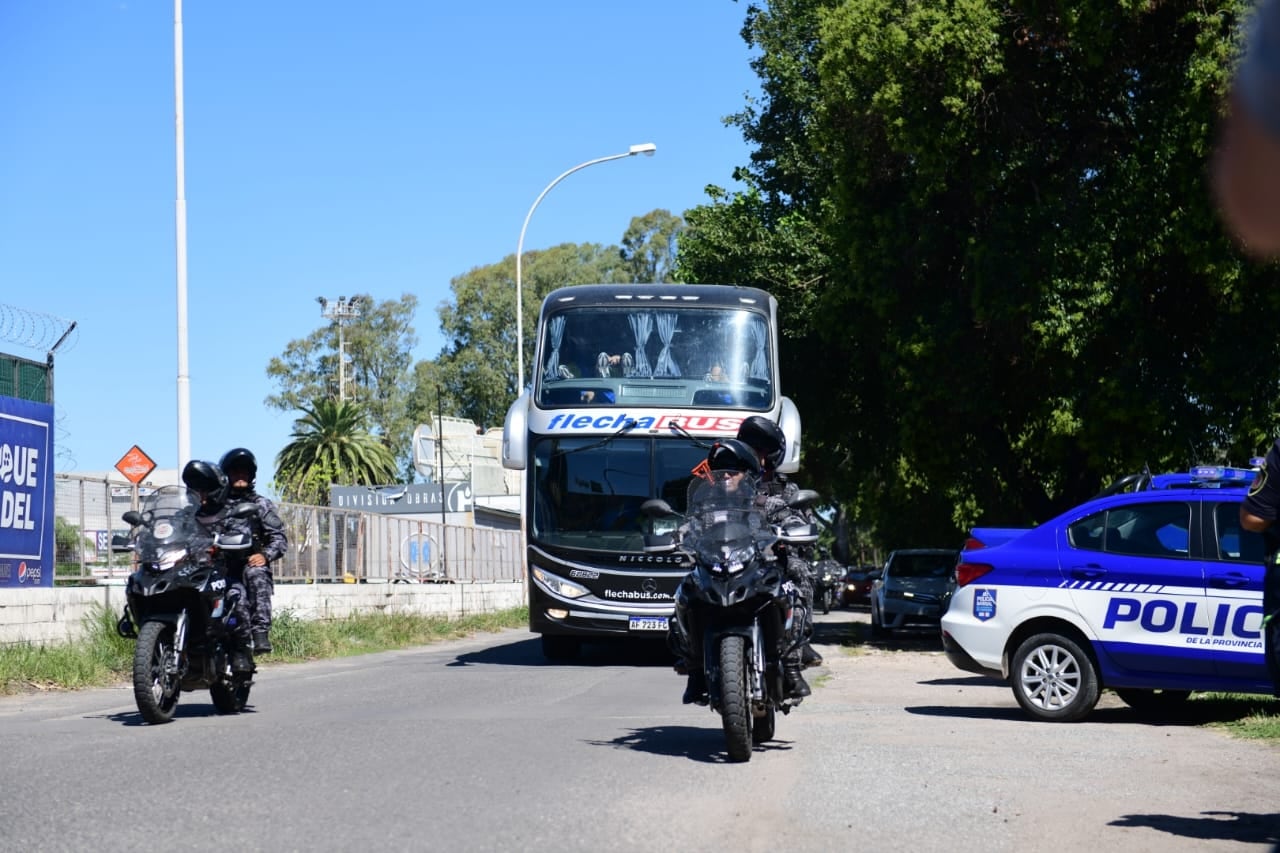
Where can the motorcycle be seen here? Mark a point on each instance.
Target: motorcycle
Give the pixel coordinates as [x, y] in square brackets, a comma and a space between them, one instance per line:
[745, 605]
[181, 606]
[827, 575]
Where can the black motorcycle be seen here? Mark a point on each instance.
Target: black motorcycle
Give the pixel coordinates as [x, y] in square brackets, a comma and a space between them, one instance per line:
[744, 604]
[826, 584]
[181, 606]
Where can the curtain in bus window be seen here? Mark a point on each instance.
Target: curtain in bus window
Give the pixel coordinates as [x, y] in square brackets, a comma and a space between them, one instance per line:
[556, 328]
[760, 363]
[641, 328]
[666, 331]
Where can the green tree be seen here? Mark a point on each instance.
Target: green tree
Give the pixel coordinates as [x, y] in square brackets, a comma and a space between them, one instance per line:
[331, 445]
[1025, 290]
[649, 246]
[378, 343]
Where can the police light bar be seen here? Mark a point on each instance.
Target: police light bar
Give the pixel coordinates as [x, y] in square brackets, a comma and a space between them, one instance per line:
[1219, 473]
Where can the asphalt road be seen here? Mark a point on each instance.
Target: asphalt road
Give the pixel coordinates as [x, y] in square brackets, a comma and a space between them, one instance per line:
[481, 745]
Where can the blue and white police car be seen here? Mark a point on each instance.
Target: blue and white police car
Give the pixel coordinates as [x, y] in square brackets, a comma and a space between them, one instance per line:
[1150, 589]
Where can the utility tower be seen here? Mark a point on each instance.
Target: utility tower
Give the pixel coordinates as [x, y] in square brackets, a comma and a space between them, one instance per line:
[340, 311]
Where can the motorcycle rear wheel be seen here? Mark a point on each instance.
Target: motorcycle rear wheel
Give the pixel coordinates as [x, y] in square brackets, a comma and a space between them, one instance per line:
[154, 688]
[230, 698]
[735, 702]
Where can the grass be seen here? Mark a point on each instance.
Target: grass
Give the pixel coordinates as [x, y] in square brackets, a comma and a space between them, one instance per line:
[104, 658]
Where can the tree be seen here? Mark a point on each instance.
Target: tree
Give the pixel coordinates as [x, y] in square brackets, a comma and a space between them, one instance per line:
[649, 246]
[330, 445]
[1026, 291]
[378, 344]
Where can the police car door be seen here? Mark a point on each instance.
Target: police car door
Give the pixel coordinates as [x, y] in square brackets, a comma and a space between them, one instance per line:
[1234, 569]
[1133, 579]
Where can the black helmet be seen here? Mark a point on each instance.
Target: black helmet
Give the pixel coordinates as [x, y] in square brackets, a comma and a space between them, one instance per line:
[239, 459]
[766, 438]
[732, 455]
[205, 478]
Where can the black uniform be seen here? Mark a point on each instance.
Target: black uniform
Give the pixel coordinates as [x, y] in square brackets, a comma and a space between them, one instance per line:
[211, 516]
[269, 540]
[778, 491]
[1264, 502]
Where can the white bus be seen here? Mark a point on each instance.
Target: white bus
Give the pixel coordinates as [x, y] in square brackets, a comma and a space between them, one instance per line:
[631, 384]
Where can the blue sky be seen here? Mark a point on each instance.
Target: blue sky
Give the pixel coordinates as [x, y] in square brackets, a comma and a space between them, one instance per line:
[332, 148]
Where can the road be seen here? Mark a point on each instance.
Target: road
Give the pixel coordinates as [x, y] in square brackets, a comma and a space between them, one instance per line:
[480, 745]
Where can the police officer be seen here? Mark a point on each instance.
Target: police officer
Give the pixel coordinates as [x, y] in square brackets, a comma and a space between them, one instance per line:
[210, 484]
[769, 442]
[269, 540]
[731, 460]
[1258, 513]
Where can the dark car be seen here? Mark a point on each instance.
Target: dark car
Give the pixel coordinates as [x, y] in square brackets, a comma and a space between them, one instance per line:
[1151, 588]
[911, 588]
[856, 585]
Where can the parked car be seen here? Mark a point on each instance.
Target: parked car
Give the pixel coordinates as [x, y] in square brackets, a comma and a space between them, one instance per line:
[910, 588]
[1153, 593]
[855, 587]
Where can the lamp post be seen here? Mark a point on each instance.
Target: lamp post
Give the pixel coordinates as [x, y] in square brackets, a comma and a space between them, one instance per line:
[643, 148]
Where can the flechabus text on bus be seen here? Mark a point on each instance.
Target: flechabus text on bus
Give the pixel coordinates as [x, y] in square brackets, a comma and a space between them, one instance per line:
[576, 422]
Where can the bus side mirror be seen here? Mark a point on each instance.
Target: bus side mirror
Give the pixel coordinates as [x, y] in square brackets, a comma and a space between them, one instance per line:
[656, 508]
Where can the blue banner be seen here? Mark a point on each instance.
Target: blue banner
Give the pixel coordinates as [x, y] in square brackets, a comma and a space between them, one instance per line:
[26, 493]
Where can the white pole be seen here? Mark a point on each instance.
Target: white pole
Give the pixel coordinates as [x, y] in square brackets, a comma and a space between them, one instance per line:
[184, 380]
[644, 148]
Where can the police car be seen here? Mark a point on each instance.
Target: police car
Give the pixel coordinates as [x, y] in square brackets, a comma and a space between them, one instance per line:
[1150, 589]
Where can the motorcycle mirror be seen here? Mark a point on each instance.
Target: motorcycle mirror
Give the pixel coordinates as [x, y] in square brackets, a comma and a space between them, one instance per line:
[803, 498]
[663, 544]
[244, 510]
[132, 518]
[656, 507]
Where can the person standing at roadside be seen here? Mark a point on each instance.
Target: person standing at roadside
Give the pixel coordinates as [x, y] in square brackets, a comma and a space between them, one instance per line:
[1258, 513]
[269, 541]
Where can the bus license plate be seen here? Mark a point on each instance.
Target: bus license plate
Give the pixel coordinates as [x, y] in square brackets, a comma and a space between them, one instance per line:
[648, 623]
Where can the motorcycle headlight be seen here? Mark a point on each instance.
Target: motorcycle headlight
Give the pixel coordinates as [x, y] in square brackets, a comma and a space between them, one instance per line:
[169, 558]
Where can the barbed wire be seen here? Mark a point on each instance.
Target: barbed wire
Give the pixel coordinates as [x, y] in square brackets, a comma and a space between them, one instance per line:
[36, 331]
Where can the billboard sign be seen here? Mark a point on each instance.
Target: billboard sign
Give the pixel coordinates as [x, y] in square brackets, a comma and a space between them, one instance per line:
[26, 493]
[403, 499]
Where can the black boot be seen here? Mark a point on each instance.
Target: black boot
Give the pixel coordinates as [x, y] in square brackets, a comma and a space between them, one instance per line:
[695, 691]
[241, 661]
[261, 643]
[809, 657]
[793, 681]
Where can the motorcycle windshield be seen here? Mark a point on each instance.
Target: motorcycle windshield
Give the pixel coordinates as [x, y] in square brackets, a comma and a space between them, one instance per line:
[169, 521]
[726, 523]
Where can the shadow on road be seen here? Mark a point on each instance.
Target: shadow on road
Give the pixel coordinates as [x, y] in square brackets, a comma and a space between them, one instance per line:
[185, 710]
[603, 653]
[1213, 826]
[695, 743]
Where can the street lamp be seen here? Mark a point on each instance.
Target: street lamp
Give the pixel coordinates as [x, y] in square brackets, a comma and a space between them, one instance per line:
[643, 148]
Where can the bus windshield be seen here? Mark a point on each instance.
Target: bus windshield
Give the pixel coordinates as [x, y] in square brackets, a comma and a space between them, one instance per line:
[665, 354]
[587, 493]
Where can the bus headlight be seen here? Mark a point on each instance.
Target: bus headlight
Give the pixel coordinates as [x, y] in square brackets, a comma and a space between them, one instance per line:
[558, 585]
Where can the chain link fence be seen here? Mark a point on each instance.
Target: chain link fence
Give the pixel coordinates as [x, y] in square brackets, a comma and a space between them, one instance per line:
[325, 545]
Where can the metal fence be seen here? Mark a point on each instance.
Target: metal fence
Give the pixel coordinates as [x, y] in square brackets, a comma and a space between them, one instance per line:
[325, 544]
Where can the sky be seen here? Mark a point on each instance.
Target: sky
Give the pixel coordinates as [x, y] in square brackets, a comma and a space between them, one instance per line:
[384, 147]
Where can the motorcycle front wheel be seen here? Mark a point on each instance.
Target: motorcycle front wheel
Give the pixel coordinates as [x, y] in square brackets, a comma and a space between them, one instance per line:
[735, 700]
[155, 689]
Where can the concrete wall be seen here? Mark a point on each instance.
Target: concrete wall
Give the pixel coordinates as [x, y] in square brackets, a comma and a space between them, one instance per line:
[58, 615]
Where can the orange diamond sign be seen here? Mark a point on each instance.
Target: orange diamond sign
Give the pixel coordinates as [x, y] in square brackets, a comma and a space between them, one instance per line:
[135, 465]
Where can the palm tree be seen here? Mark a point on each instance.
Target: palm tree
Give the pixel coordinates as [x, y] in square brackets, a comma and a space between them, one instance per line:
[330, 444]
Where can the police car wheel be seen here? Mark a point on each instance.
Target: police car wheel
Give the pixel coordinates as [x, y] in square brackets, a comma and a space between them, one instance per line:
[1054, 679]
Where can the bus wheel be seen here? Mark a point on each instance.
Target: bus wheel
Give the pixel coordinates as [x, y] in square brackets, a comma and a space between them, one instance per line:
[558, 647]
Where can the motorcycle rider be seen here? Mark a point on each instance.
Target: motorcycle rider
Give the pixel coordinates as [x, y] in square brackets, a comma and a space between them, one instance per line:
[269, 540]
[768, 441]
[729, 460]
[210, 484]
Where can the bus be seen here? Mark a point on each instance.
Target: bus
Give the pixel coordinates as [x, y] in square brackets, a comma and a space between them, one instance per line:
[631, 384]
